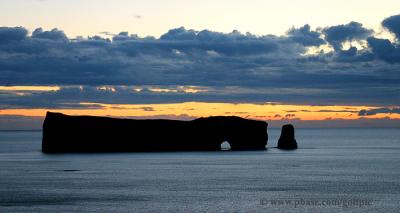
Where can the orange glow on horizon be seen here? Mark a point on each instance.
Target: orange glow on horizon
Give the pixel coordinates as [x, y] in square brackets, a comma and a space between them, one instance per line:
[30, 88]
[266, 111]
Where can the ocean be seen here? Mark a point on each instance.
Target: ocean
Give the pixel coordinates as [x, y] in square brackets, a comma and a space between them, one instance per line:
[334, 170]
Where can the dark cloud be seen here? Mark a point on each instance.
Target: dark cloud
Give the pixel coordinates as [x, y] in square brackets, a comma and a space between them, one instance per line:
[305, 36]
[45, 58]
[147, 109]
[353, 55]
[10, 34]
[71, 96]
[289, 116]
[350, 111]
[234, 43]
[234, 67]
[53, 34]
[393, 25]
[124, 36]
[393, 110]
[336, 35]
[93, 41]
[384, 50]
[179, 34]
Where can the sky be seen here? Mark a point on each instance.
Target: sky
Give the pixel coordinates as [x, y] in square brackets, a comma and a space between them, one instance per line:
[155, 17]
[312, 63]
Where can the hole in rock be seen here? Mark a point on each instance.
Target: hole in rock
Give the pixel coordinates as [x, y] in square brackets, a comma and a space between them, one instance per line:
[225, 146]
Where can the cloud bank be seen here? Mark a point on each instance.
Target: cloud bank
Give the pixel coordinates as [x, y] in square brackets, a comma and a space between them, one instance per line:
[393, 110]
[230, 67]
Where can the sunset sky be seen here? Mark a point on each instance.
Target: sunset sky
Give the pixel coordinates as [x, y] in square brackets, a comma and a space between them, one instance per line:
[314, 63]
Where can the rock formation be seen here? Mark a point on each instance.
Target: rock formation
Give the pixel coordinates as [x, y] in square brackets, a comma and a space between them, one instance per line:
[287, 140]
[63, 133]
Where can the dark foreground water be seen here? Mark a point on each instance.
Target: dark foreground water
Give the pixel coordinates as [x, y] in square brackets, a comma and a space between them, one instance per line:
[355, 170]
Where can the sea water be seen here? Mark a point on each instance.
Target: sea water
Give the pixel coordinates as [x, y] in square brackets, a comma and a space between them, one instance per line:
[354, 170]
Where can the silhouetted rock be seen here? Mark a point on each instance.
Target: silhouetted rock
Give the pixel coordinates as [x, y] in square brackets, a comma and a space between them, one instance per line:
[63, 133]
[287, 140]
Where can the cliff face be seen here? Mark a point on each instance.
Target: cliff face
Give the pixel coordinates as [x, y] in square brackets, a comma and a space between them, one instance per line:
[63, 133]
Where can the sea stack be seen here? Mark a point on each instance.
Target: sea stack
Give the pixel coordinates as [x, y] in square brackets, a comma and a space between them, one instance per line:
[287, 141]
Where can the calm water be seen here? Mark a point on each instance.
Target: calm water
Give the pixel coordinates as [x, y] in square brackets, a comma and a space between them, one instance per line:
[334, 167]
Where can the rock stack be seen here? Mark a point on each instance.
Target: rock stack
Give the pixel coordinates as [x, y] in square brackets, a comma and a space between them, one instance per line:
[286, 140]
[64, 133]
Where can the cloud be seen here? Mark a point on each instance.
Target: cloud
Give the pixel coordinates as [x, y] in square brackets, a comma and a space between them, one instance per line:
[53, 34]
[232, 67]
[336, 35]
[148, 109]
[135, 16]
[393, 110]
[384, 50]
[106, 33]
[338, 123]
[305, 36]
[179, 34]
[12, 34]
[393, 25]
[47, 58]
[354, 55]
[124, 36]
[230, 44]
[290, 116]
[350, 111]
